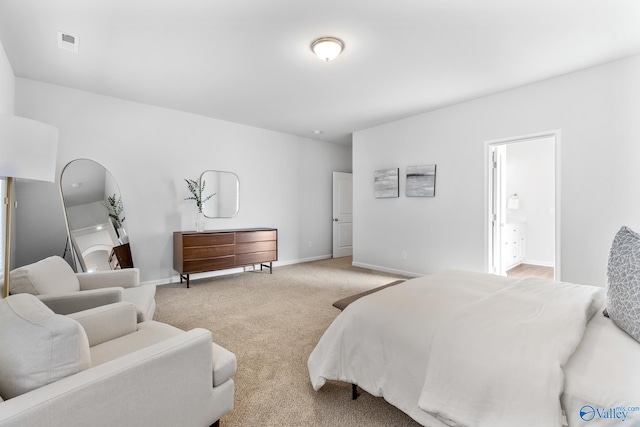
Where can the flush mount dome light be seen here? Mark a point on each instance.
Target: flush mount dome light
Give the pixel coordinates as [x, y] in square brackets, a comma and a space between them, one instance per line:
[327, 48]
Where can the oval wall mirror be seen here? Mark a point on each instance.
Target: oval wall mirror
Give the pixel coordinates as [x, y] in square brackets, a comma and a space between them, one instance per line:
[226, 189]
[96, 221]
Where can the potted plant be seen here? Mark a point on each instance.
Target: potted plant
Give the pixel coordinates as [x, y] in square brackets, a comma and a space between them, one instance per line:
[115, 209]
[196, 189]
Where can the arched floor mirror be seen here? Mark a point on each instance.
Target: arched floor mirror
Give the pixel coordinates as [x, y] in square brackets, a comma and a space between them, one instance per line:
[95, 217]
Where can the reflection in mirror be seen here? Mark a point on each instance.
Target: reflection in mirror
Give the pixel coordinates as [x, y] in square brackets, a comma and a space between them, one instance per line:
[226, 187]
[96, 222]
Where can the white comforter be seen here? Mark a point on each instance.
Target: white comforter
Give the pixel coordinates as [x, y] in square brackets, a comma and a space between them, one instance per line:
[460, 348]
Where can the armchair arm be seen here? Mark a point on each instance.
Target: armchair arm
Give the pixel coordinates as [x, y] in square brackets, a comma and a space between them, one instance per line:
[127, 278]
[72, 302]
[107, 322]
[166, 384]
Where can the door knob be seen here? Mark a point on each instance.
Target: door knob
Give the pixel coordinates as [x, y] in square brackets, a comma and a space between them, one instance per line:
[335, 219]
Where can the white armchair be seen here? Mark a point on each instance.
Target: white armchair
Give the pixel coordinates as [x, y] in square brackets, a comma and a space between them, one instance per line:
[102, 368]
[54, 282]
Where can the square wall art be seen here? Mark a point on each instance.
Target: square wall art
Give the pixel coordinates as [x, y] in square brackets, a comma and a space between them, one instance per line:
[421, 181]
[386, 183]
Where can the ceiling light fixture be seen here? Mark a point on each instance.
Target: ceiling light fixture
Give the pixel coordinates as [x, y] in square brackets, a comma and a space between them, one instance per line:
[327, 48]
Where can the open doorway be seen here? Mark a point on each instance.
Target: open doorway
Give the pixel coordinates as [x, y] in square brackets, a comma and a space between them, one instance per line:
[522, 206]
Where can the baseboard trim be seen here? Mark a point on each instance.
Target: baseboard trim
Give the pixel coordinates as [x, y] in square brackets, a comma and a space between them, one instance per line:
[539, 263]
[301, 260]
[386, 270]
[196, 276]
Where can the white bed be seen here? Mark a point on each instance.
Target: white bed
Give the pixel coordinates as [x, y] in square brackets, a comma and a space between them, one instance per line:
[460, 349]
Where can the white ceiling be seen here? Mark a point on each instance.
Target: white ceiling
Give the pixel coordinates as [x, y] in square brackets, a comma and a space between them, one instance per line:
[249, 61]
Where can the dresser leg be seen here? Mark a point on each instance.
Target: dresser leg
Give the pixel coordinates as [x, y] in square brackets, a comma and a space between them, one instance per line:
[270, 267]
[182, 278]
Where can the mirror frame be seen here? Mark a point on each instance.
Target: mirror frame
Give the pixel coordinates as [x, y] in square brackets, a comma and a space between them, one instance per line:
[237, 193]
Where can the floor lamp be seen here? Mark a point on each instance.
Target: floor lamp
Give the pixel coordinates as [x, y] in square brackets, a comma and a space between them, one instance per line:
[27, 151]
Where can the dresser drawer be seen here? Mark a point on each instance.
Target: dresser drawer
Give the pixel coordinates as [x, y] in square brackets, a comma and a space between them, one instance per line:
[245, 248]
[200, 252]
[256, 258]
[207, 239]
[256, 236]
[211, 264]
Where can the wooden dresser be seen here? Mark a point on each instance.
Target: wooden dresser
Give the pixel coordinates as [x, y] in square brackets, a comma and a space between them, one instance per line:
[120, 257]
[212, 250]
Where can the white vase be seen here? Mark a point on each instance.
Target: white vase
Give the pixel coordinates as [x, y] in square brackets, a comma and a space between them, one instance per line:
[124, 238]
[199, 222]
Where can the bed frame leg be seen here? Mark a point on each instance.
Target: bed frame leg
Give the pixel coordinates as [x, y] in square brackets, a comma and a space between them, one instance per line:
[354, 392]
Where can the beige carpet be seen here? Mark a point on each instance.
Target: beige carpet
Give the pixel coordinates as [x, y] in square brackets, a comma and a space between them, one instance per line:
[272, 323]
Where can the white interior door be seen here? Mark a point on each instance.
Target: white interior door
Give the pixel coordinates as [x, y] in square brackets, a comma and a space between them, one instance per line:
[342, 214]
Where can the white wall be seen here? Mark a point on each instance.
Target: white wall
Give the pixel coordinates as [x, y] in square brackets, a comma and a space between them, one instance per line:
[530, 172]
[285, 181]
[7, 84]
[596, 111]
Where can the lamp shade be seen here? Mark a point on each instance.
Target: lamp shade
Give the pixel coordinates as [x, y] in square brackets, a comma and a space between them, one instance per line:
[27, 149]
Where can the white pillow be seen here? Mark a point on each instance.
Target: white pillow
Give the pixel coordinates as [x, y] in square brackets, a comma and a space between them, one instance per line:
[38, 346]
[50, 275]
[623, 282]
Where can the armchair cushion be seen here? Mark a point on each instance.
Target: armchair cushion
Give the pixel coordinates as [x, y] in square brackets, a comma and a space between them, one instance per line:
[147, 334]
[50, 275]
[107, 322]
[127, 278]
[38, 346]
[224, 365]
[72, 302]
[143, 297]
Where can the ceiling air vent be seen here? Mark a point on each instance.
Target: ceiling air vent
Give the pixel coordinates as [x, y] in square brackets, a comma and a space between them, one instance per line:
[68, 42]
